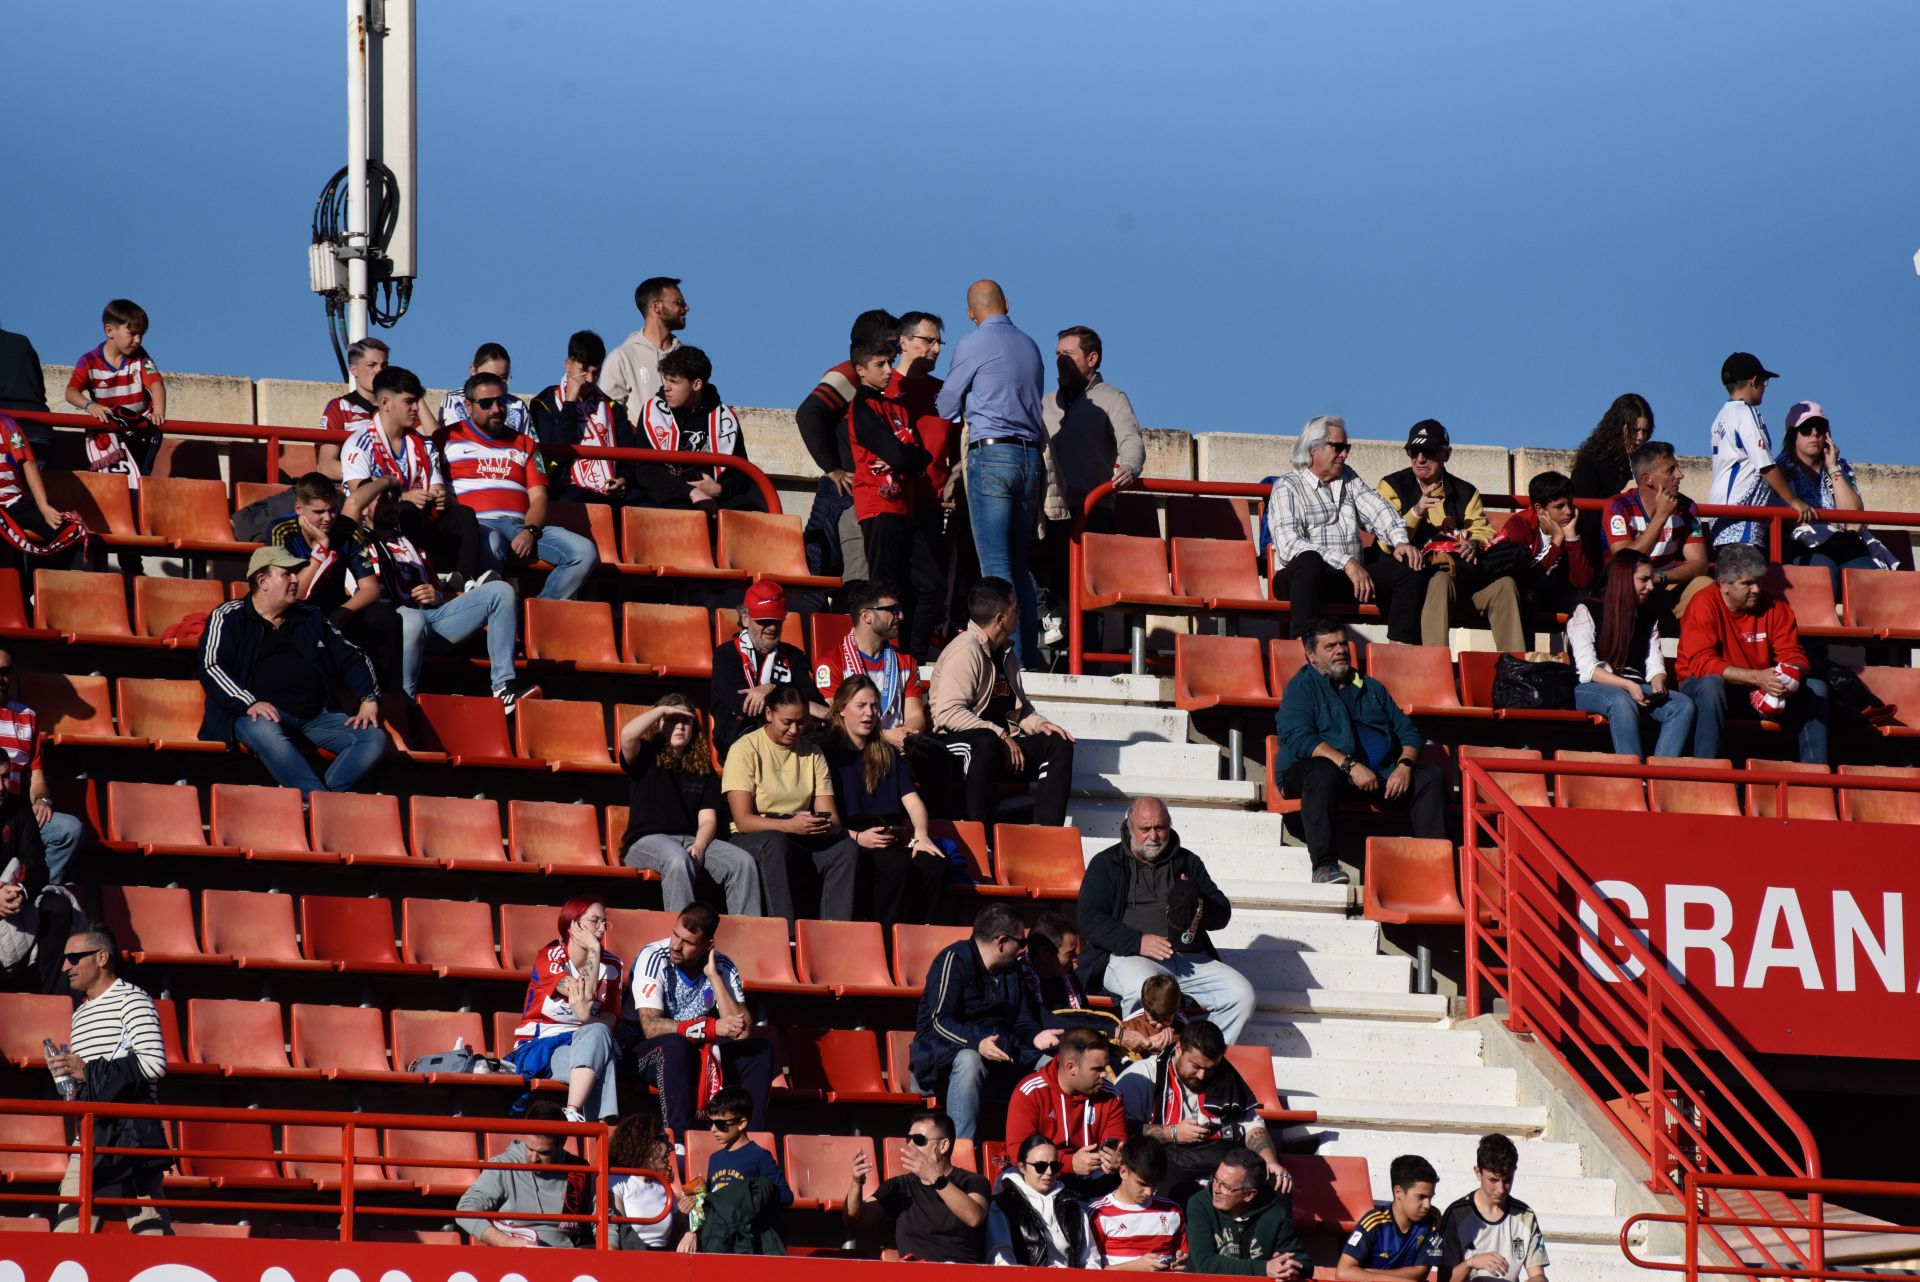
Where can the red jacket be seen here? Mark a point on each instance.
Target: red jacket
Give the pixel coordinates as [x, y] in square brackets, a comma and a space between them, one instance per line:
[889, 463]
[1523, 530]
[1714, 638]
[1039, 1105]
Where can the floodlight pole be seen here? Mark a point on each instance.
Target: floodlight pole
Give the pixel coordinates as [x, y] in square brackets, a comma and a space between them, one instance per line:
[356, 170]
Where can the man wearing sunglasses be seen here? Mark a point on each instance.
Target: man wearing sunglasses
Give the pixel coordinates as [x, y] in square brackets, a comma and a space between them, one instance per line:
[872, 650]
[938, 1209]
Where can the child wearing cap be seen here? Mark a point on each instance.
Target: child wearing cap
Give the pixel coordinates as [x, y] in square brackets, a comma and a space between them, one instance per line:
[1744, 471]
[1812, 465]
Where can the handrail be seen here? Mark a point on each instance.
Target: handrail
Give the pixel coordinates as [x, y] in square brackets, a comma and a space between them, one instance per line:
[273, 435]
[1693, 1219]
[1684, 1094]
[346, 1158]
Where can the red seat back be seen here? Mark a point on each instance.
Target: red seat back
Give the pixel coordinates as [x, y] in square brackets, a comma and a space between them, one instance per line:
[667, 636]
[1215, 568]
[236, 1034]
[251, 1142]
[470, 726]
[1255, 1066]
[631, 929]
[1415, 675]
[1808, 592]
[1864, 806]
[28, 1018]
[1586, 792]
[1285, 657]
[1526, 790]
[424, 1032]
[1897, 689]
[826, 634]
[1802, 803]
[414, 1155]
[70, 704]
[1887, 599]
[154, 814]
[447, 932]
[833, 1059]
[1411, 879]
[101, 498]
[161, 709]
[253, 924]
[570, 631]
[571, 731]
[665, 538]
[187, 510]
[305, 1149]
[465, 828]
[151, 919]
[525, 932]
[82, 602]
[816, 1166]
[1039, 857]
[758, 946]
[1128, 565]
[554, 832]
[915, 947]
[590, 521]
[1330, 1194]
[345, 929]
[257, 817]
[343, 1037]
[1689, 796]
[1222, 667]
[358, 823]
[762, 543]
[840, 952]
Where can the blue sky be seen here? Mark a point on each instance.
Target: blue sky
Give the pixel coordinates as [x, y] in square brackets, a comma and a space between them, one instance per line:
[1500, 215]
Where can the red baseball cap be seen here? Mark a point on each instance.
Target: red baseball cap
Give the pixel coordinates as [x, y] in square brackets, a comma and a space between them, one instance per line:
[765, 601]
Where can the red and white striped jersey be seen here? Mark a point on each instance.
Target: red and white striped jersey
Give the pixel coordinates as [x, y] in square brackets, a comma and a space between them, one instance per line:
[347, 413]
[1125, 1232]
[367, 453]
[20, 741]
[122, 386]
[14, 450]
[546, 1012]
[492, 474]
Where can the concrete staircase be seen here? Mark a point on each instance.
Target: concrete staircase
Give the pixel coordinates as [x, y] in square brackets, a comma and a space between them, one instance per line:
[1386, 1068]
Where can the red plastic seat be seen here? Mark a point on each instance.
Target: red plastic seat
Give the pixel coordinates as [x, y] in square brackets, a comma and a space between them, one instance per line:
[767, 546]
[758, 946]
[1888, 601]
[1420, 679]
[899, 1043]
[590, 521]
[669, 640]
[670, 544]
[467, 730]
[840, 1066]
[1285, 657]
[1219, 672]
[915, 947]
[1898, 689]
[354, 934]
[700, 1147]
[33, 1223]
[1808, 592]
[253, 927]
[971, 836]
[1255, 1066]
[244, 1038]
[816, 1168]
[1047, 862]
[846, 956]
[178, 1065]
[360, 827]
[159, 603]
[417, 1156]
[1689, 797]
[558, 835]
[1476, 691]
[157, 819]
[576, 634]
[1865, 806]
[26, 1019]
[252, 1162]
[346, 1043]
[74, 710]
[1526, 790]
[1222, 573]
[1588, 792]
[568, 734]
[191, 515]
[455, 937]
[247, 493]
[1410, 880]
[458, 832]
[525, 932]
[631, 929]
[304, 1150]
[13, 612]
[1127, 569]
[265, 821]
[166, 713]
[104, 502]
[154, 925]
[1330, 1194]
[427, 1032]
[85, 608]
[826, 634]
[1802, 803]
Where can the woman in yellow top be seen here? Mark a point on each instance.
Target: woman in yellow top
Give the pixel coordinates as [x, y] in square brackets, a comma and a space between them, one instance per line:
[780, 794]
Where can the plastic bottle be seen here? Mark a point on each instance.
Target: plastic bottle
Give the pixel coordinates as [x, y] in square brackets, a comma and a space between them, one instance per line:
[62, 1082]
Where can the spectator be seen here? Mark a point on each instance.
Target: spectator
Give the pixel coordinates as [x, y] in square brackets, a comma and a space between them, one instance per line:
[23, 385]
[1740, 635]
[1489, 1233]
[575, 411]
[905, 871]
[498, 473]
[269, 663]
[115, 1055]
[36, 917]
[1615, 640]
[385, 567]
[1092, 438]
[994, 382]
[745, 1190]
[779, 791]
[1035, 1219]
[938, 1209]
[24, 787]
[1070, 1101]
[1602, 466]
[1811, 463]
[689, 1006]
[631, 375]
[1241, 1226]
[1156, 1026]
[687, 415]
[118, 383]
[390, 445]
[573, 1002]
[1147, 905]
[870, 651]
[673, 809]
[31, 524]
[488, 358]
[543, 1192]
[921, 336]
[982, 716]
[766, 664]
[1134, 1228]
[1338, 731]
[640, 1144]
[1668, 534]
[1314, 518]
[892, 497]
[1549, 560]
[1745, 473]
[349, 413]
[1445, 520]
[1402, 1240]
[1053, 950]
[314, 532]
[1190, 1098]
[835, 544]
[978, 1026]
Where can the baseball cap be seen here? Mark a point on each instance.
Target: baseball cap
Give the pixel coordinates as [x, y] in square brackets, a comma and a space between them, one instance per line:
[1802, 411]
[272, 554]
[1428, 435]
[765, 601]
[1741, 366]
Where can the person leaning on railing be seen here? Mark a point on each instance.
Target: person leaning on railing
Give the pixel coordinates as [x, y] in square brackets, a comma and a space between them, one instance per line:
[568, 1192]
[1813, 467]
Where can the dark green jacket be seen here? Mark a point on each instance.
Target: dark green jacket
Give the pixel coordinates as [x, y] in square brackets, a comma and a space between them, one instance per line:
[1218, 1243]
[1312, 713]
[743, 1218]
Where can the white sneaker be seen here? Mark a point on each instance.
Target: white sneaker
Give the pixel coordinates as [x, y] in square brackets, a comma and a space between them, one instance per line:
[1052, 630]
[574, 1115]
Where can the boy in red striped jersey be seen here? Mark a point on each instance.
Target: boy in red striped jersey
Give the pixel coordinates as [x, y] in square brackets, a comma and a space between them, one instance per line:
[1133, 1228]
[118, 383]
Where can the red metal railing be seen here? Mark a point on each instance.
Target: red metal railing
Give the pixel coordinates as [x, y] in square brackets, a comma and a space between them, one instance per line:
[273, 436]
[1694, 1221]
[346, 1204]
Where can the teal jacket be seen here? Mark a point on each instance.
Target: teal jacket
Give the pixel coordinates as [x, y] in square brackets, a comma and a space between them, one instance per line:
[1312, 713]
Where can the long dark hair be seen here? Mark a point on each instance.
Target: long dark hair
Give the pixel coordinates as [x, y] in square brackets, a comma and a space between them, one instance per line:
[1607, 442]
[1620, 608]
[639, 1143]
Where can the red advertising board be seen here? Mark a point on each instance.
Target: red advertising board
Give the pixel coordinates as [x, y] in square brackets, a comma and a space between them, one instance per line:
[1792, 932]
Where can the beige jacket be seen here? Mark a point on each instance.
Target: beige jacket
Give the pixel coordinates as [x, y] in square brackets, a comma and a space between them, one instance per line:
[631, 374]
[964, 682]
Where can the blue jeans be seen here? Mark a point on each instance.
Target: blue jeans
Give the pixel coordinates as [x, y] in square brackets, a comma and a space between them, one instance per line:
[60, 836]
[1223, 990]
[1005, 486]
[966, 1082]
[1673, 714]
[591, 1047]
[492, 606]
[355, 752]
[1805, 713]
[571, 556]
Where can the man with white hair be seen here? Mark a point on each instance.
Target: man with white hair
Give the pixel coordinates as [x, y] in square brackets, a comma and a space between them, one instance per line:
[1314, 519]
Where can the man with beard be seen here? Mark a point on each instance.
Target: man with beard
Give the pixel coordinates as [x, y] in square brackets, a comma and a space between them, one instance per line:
[752, 664]
[871, 650]
[1341, 733]
[631, 374]
[1092, 437]
[686, 414]
[1146, 905]
[1196, 1103]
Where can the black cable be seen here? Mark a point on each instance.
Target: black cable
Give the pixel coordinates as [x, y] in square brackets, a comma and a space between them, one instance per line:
[387, 298]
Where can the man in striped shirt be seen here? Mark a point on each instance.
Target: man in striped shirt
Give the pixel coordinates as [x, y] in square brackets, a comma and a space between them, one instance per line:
[1133, 1228]
[114, 1056]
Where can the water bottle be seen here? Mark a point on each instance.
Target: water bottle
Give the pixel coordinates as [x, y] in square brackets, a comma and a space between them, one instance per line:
[62, 1081]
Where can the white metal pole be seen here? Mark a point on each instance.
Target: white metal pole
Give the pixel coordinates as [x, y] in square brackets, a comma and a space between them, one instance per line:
[356, 170]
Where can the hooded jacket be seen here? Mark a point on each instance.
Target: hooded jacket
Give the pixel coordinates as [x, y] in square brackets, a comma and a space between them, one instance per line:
[1041, 1106]
[1103, 907]
[531, 1192]
[1242, 1244]
[1042, 1231]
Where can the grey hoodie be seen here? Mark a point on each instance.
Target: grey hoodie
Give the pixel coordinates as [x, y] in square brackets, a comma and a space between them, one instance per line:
[533, 1192]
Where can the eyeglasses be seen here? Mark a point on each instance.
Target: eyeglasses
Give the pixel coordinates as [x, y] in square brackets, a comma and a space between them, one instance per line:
[488, 402]
[74, 959]
[1338, 447]
[1047, 1168]
[917, 1140]
[935, 339]
[724, 1123]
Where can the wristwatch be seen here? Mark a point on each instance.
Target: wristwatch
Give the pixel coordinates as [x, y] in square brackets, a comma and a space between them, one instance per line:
[942, 1182]
[1404, 761]
[1659, 578]
[1346, 765]
[534, 530]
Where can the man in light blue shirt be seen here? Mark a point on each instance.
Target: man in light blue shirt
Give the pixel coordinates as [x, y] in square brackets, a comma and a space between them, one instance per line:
[995, 384]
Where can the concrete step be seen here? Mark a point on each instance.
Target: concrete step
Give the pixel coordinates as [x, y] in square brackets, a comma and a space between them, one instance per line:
[1594, 1261]
[1291, 970]
[1203, 826]
[1550, 1195]
[1312, 932]
[1580, 1233]
[1303, 1079]
[1346, 1038]
[1289, 890]
[1121, 721]
[1248, 860]
[1101, 689]
[1417, 1009]
[1447, 1152]
[1339, 1111]
[1195, 762]
[1109, 785]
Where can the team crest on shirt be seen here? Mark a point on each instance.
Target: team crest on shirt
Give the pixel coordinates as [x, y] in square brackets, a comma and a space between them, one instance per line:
[15, 442]
[823, 675]
[1618, 524]
[649, 989]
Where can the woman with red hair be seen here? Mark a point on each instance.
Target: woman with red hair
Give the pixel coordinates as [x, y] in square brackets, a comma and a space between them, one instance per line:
[1615, 640]
[573, 1000]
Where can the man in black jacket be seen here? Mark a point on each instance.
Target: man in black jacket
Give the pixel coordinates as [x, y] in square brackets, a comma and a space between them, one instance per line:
[270, 663]
[752, 664]
[1146, 905]
[978, 1025]
[575, 411]
[22, 386]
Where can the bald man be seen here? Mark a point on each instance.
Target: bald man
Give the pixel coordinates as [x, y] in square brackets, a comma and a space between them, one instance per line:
[995, 385]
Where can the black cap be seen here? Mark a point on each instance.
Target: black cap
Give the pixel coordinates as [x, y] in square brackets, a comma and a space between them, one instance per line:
[1742, 366]
[1429, 435]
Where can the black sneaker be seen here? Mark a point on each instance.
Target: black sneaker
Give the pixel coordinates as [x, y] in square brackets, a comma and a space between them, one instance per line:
[1330, 875]
[510, 696]
[481, 579]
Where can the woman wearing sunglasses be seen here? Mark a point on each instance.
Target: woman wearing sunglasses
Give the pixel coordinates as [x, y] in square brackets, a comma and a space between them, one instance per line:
[1811, 463]
[1035, 1220]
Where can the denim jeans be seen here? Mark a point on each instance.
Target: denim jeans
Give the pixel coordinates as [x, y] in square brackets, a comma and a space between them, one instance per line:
[1805, 714]
[60, 836]
[591, 1047]
[1673, 714]
[1223, 990]
[966, 1082]
[492, 606]
[356, 752]
[1005, 485]
[571, 556]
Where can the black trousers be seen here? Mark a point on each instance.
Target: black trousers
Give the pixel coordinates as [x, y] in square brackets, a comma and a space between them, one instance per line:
[452, 537]
[1320, 786]
[903, 553]
[969, 783]
[376, 630]
[1307, 580]
[902, 885]
[671, 1064]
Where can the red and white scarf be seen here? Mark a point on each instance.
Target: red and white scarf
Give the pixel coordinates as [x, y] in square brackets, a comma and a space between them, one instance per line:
[663, 431]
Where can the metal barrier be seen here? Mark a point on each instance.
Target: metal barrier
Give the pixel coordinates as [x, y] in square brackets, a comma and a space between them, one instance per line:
[1694, 1219]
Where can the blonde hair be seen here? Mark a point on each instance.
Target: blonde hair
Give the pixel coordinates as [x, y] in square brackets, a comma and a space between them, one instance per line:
[876, 759]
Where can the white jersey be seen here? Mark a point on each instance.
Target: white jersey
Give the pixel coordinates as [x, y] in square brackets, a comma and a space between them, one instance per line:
[1515, 1237]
